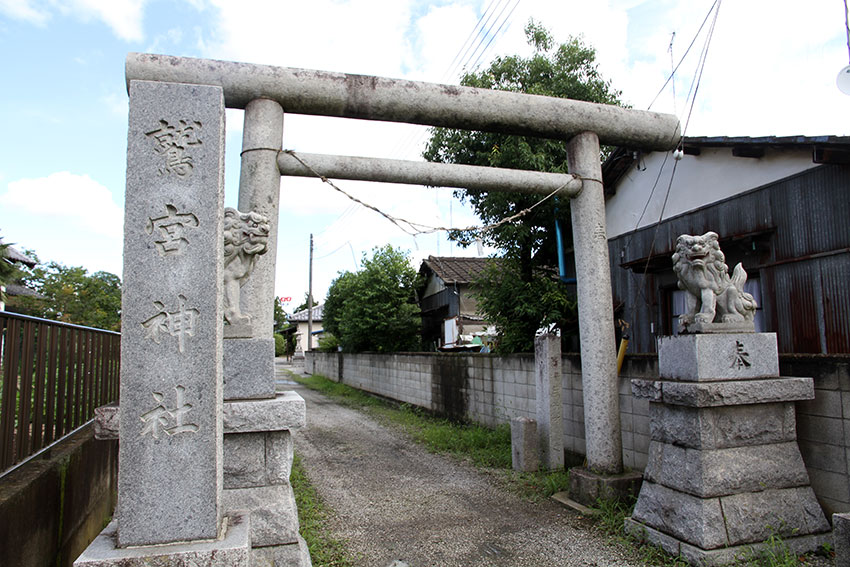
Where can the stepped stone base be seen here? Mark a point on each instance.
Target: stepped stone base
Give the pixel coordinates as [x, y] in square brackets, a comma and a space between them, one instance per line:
[232, 550]
[723, 556]
[724, 471]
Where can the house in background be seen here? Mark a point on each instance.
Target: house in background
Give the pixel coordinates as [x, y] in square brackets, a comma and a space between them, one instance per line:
[781, 206]
[13, 290]
[300, 319]
[450, 316]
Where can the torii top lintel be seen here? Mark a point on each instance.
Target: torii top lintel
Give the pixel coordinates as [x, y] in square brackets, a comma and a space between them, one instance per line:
[303, 91]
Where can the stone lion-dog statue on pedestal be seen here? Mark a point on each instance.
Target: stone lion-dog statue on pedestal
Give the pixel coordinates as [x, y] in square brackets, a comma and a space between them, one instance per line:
[246, 237]
[713, 297]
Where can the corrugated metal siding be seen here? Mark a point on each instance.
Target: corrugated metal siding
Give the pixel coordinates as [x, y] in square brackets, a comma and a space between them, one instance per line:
[835, 278]
[807, 300]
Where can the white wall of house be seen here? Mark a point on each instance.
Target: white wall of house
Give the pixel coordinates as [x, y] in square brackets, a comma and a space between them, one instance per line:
[301, 345]
[712, 176]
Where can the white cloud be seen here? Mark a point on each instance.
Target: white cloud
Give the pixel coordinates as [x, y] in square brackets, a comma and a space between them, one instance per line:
[78, 222]
[26, 10]
[69, 197]
[358, 36]
[124, 17]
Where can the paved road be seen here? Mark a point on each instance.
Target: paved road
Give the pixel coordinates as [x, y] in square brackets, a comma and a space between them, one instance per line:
[398, 505]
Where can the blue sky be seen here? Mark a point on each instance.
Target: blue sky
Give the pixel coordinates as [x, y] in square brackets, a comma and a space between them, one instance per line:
[770, 70]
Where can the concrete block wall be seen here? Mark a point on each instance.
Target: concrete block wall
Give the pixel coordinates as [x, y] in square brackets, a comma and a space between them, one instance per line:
[823, 426]
[490, 389]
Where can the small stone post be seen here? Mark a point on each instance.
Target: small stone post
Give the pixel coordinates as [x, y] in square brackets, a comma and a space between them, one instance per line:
[547, 380]
[596, 318]
[525, 447]
[841, 539]
[249, 352]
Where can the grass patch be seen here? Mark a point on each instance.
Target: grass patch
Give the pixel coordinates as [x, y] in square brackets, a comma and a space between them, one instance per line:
[325, 550]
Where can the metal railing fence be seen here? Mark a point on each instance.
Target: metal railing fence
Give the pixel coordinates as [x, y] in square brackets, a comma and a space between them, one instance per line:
[52, 377]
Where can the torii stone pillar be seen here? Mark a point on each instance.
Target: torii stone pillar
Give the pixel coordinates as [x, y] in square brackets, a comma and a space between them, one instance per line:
[249, 357]
[603, 476]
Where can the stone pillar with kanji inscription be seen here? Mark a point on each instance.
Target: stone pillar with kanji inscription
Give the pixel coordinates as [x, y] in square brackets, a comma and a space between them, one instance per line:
[170, 472]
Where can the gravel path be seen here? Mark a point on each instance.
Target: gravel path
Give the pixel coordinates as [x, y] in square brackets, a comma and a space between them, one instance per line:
[398, 505]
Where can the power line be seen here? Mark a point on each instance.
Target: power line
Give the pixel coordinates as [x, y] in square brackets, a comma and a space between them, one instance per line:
[688, 50]
[486, 47]
[694, 89]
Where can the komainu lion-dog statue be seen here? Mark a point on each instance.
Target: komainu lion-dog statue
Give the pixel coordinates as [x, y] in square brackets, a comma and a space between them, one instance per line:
[712, 295]
[246, 236]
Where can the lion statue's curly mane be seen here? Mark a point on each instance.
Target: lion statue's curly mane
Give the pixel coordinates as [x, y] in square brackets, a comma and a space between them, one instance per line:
[712, 295]
[246, 237]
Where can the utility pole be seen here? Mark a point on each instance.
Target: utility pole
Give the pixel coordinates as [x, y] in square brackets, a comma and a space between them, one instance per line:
[310, 300]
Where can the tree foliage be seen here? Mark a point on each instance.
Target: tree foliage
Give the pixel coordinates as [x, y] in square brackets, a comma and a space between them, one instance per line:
[72, 295]
[529, 245]
[375, 309]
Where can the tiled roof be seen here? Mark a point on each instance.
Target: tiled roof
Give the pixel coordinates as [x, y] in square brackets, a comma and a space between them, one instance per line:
[453, 270]
[15, 256]
[21, 290]
[302, 315]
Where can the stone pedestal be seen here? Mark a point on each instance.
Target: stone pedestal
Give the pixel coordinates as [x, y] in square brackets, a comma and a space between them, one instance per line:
[258, 452]
[724, 470]
[231, 549]
[841, 539]
[257, 463]
[588, 488]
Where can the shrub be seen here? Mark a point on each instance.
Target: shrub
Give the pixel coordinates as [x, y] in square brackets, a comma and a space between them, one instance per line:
[279, 345]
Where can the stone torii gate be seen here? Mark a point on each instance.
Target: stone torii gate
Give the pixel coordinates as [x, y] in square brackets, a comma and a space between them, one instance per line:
[171, 348]
[265, 92]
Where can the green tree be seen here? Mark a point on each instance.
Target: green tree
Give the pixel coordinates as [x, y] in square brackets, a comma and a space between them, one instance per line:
[529, 246]
[375, 309]
[304, 304]
[280, 317]
[71, 295]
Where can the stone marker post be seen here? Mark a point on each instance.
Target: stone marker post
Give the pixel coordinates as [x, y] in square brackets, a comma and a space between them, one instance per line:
[547, 380]
[170, 473]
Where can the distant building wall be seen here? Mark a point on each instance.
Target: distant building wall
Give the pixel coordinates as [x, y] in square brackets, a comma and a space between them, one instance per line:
[493, 389]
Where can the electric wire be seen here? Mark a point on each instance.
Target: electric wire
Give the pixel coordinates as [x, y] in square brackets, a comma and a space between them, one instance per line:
[688, 50]
[692, 94]
[495, 35]
[415, 138]
[847, 26]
